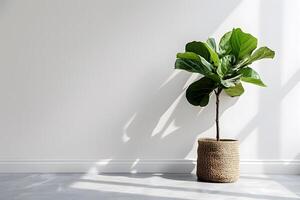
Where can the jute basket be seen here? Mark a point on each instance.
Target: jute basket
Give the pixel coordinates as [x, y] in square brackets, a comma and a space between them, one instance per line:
[218, 161]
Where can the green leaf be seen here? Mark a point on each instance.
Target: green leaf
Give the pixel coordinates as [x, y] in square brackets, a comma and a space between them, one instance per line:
[261, 53]
[198, 93]
[251, 76]
[212, 43]
[228, 83]
[231, 81]
[224, 44]
[237, 90]
[242, 44]
[241, 63]
[189, 55]
[214, 58]
[188, 65]
[222, 69]
[192, 62]
[198, 48]
[203, 50]
[225, 65]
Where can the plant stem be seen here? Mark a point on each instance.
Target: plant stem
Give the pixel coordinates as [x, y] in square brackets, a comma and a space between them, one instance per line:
[217, 93]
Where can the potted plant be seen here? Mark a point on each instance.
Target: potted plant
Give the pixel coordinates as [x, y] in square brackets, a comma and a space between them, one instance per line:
[223, 69]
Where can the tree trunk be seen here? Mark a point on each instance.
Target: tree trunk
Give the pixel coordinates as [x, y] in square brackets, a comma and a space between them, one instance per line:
[217, 92]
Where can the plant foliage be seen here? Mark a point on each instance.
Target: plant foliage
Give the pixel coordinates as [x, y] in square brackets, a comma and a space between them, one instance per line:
[224, 67]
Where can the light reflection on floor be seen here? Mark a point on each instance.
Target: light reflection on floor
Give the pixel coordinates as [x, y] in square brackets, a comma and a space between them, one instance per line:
[144, 186]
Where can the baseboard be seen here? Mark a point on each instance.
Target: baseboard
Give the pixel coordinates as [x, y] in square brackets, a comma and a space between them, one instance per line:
[270, 167]
[140, 166]
[100, 166]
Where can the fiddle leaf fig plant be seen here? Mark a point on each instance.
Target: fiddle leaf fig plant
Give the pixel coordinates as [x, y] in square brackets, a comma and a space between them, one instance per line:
[224, 68]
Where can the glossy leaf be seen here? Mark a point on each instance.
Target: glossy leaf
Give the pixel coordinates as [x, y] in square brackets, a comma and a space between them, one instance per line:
[198, 93]
[251, 76]
[228, 83]
[231, 81]
[222, 69]
[242, 44]
[198, 48]
[212, 43]
[204, 50]
[214, 57]
[241, 63]
[224, 45]
[188, 65]
[224, 66]
[189, 55]
[261, 53]
[192, 62]
[237, 90]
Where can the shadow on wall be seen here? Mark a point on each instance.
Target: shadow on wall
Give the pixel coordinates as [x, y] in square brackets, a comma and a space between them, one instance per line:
[164, 121]
[271, 99]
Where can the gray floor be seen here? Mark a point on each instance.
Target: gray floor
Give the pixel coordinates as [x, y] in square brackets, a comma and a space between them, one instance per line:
[144, 186]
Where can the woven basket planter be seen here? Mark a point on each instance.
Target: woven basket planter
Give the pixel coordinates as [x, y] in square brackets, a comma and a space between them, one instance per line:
[218, 161]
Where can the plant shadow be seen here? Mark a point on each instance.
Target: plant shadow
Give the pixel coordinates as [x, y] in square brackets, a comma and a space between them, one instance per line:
[162, 119]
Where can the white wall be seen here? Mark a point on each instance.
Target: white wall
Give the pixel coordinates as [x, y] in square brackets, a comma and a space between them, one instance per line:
[84, 81]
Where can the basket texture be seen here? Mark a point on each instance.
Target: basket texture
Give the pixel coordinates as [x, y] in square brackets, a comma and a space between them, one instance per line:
[218, 161]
